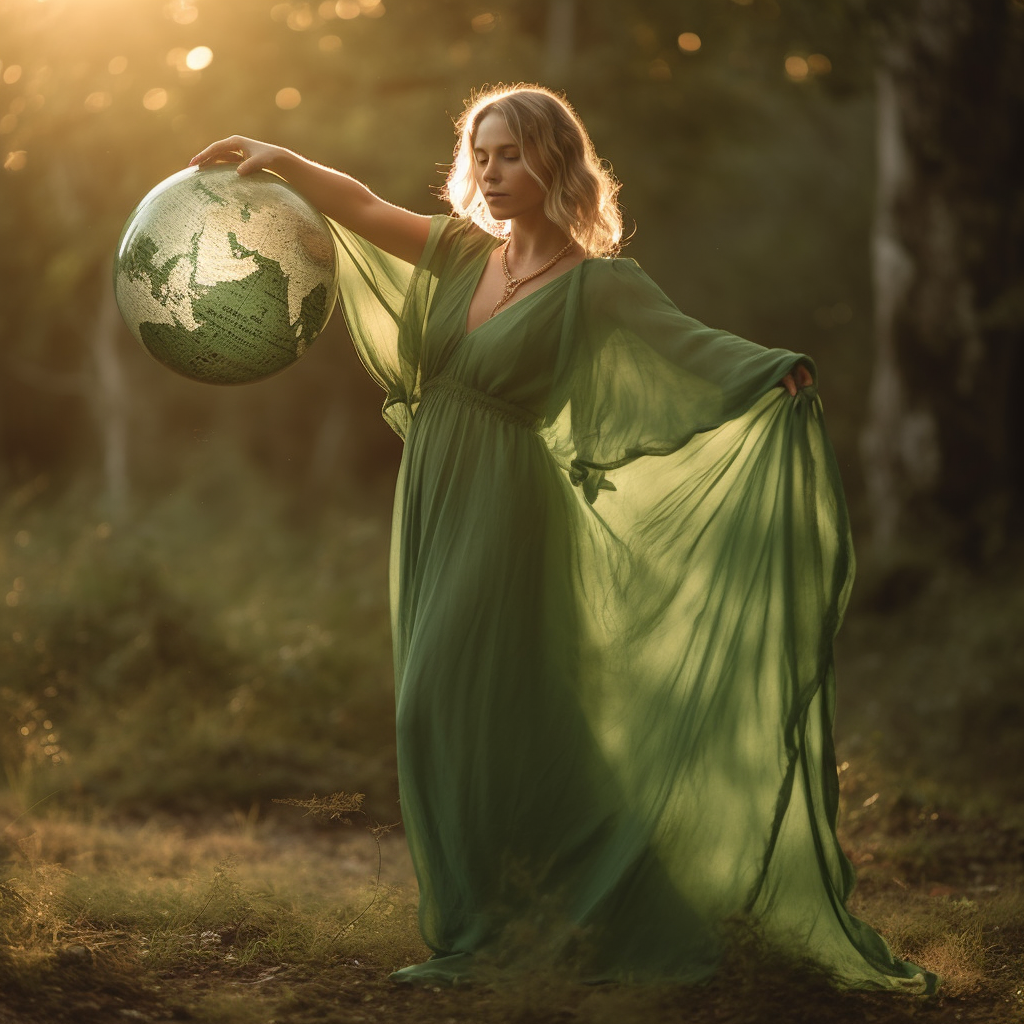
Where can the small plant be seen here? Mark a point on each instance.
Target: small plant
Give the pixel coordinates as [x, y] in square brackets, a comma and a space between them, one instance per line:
[340, 807]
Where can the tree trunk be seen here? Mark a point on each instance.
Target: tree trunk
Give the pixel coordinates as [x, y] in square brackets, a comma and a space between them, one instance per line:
[559, 41]
[941, 442]
[110, 401]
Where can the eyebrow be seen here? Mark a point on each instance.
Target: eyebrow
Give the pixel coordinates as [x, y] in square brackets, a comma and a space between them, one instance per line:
[507, 145]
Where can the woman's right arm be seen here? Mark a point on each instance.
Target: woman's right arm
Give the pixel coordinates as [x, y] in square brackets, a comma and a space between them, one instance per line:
[336, 195]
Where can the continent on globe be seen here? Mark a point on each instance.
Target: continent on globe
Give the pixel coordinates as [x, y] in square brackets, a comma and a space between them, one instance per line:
[223, 278]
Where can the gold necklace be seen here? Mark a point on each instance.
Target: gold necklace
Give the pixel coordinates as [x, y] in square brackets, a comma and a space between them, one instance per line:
[512, 283]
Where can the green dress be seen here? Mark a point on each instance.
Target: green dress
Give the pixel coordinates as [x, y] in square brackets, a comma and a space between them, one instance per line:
[620, 556]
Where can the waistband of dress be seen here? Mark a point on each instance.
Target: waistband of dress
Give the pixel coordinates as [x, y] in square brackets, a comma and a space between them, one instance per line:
[486, 403]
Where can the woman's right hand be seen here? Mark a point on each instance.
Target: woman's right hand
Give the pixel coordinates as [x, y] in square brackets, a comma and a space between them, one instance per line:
[336, 195]
[249, 154]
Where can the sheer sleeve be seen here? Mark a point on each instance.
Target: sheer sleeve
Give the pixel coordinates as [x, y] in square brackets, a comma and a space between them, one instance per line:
[646, 377]
[711, 575]
[386, 302]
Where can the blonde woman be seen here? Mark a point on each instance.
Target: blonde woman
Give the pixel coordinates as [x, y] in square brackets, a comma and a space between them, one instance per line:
[620, 555]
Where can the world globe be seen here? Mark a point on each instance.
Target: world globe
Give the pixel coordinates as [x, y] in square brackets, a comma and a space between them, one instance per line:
[225, 278]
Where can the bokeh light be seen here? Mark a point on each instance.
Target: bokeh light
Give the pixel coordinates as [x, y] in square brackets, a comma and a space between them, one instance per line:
[16, 160]
[796, 68]
[329, 44]
[97, 101]
[182, 12]
[689, 42]
[176, 58]
[155, 99]
[117, 65]
[12, 73]
[198, 57]
[347, 9]
[659, 70]
[288, 98]
[300, 18]
[819, 64]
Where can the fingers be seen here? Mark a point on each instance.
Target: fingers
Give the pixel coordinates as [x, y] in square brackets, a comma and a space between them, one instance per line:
[232, 150]
[248, 166]
[798, 379]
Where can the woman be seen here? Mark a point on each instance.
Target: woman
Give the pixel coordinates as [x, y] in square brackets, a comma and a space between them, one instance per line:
[620, 555]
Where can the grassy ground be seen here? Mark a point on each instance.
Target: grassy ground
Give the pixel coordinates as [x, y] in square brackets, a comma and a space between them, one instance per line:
[162, 686]
[251, 920]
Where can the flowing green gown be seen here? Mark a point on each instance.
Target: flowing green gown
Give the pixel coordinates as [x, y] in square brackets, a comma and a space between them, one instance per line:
[620, 556]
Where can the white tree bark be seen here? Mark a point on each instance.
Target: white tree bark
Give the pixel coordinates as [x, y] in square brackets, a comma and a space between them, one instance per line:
[110, 402]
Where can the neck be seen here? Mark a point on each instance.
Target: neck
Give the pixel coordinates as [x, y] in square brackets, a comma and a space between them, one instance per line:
[534, 239]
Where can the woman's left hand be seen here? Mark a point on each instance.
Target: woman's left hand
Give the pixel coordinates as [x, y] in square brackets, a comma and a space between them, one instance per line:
[799, 378]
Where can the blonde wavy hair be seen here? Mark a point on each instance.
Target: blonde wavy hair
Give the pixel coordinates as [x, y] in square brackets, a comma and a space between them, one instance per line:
[580, 190]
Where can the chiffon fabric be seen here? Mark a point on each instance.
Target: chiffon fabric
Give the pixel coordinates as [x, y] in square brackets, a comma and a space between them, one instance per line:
[620, 554]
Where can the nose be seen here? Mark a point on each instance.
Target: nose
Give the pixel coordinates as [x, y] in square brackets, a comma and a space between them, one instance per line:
[490, 171]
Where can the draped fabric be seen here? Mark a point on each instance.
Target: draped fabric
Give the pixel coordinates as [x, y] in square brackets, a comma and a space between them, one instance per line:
[620, 555]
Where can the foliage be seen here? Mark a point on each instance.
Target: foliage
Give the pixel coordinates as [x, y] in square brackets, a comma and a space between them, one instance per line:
[749, 186]
[205, 653]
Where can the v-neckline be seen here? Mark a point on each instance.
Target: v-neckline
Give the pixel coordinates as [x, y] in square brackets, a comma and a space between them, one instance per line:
[476, 284]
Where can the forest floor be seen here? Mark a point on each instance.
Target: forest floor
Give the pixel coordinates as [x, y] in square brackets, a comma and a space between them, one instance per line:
[154, 677]
[243, 920]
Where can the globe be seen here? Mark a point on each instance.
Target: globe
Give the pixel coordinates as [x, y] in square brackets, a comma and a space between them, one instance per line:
[225, 278]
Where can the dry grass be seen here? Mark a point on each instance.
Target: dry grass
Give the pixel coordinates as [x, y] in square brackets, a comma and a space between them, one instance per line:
[250, 920]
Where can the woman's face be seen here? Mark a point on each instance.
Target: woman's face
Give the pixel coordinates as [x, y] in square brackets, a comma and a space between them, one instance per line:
[507, 187]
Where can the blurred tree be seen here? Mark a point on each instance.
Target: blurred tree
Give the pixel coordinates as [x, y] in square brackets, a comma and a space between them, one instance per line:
[747, 173]
[942, 444]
